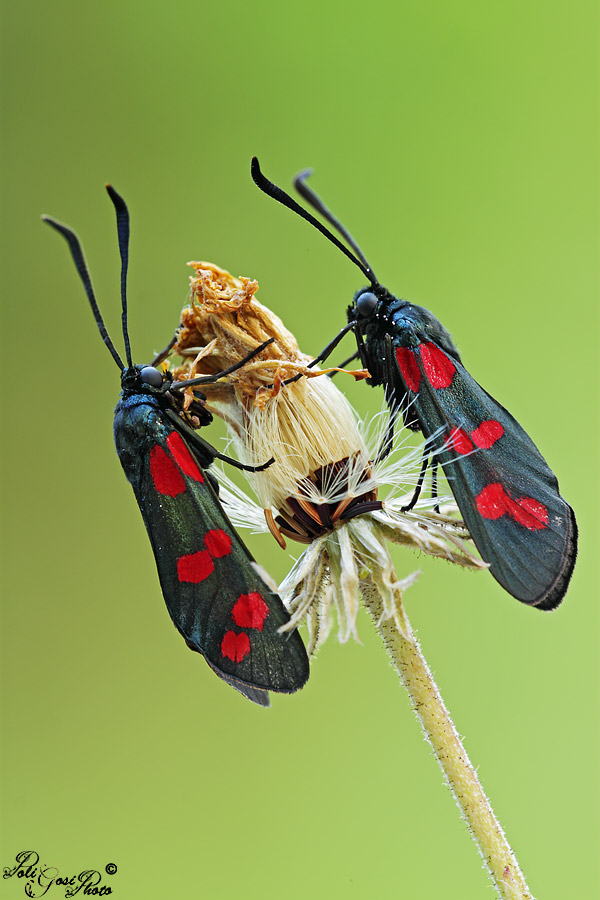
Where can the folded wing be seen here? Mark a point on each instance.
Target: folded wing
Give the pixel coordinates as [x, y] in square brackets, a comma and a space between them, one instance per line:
[505, 490]
[216, 598]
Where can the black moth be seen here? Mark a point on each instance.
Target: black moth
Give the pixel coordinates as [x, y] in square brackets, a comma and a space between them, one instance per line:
[505, 490]
[216, 598]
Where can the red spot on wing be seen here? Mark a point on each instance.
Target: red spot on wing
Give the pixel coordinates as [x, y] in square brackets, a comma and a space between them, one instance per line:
[250, 611]
[184, 458]
[218, 543]
[438, 367]
[493, 502]
[195, 567]
[235, 646]
[530, 513]
[409, 368]
[487, 433]
[166, 477]
[459, 440]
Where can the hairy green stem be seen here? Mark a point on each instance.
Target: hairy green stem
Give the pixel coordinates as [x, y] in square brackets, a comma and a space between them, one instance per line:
[413, 670]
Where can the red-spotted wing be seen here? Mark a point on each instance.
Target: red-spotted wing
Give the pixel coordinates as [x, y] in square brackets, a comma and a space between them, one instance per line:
[505, 490]
[215, 597]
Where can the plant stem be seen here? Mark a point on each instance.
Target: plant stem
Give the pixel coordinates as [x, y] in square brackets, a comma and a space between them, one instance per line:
[413, 670]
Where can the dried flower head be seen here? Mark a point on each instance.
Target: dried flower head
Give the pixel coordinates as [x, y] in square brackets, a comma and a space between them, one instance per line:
[309, 422]
[323, 488]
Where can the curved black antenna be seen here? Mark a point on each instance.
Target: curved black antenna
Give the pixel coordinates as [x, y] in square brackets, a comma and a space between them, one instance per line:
[315, 201]
[272, 190]
[123, 237]
[78, 258]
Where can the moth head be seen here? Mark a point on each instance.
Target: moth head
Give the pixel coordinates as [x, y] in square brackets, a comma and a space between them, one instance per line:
[147, 379]
[365, 303]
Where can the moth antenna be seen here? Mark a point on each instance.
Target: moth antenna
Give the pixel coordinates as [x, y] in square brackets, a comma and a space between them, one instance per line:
[123, 236]
[82, 269]
[277, 193]
[315, 201]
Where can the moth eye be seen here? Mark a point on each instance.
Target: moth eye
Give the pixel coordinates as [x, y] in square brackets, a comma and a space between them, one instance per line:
[366, 303]
[151, 376]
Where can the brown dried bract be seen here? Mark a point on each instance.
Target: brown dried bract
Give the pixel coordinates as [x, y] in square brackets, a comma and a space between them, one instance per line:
[304, 426]
[223, 324]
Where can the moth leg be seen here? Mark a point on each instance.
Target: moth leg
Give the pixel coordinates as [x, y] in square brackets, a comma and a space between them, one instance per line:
[243, 466]
[204, 447]
[324, 353]
[343, 364]
[388, 440]
[211, 379]
[434, 485]
[419, 484]
[387, 443]
[204, 451]
[362, 350]
[160, 357]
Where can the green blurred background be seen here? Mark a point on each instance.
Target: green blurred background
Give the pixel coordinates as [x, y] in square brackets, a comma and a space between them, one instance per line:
[458, 142]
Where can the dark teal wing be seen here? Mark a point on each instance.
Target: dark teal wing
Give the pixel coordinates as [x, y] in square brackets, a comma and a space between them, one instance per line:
[216, 598]
[504, 488]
